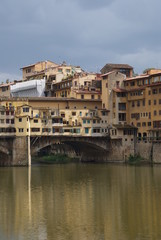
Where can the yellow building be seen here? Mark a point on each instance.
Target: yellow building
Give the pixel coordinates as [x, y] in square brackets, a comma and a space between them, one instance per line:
[134, 102]
[37, 69]
[48, 116]
[144, 103]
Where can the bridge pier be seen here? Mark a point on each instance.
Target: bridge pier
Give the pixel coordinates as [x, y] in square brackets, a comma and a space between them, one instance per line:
[21, 155]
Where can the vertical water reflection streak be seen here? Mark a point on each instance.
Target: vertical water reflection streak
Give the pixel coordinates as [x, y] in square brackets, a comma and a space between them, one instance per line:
[29, 194]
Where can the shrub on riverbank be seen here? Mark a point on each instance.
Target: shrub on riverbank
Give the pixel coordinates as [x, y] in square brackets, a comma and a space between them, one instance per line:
[135, 159]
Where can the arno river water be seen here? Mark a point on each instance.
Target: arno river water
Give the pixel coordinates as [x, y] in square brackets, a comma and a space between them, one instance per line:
[80, 202]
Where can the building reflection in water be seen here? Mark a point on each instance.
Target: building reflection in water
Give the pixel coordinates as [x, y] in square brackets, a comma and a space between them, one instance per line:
[79, 201]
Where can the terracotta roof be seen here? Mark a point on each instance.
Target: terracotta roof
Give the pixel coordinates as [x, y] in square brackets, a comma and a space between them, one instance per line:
[142, 76]
[115, 65]
[108, 73]
[6, 84]
[154, 84]
[31, 65]
[137, 77]
[87, 92]
[125, 126]
[119, 90]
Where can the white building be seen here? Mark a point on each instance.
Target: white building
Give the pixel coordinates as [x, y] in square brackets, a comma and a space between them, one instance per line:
[32, 88]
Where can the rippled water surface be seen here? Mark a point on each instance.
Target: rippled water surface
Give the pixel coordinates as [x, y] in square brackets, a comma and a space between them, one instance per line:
[80, 202]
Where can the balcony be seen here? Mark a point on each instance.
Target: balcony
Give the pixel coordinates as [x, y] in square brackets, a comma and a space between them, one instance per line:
[136, 97]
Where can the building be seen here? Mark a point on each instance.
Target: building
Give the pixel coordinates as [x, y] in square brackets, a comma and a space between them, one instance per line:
[134, 102]
[5, 89]
[144, 103]
[34, 88]
[81, 86]
[46, 117]
[36, 70]
[122, 68]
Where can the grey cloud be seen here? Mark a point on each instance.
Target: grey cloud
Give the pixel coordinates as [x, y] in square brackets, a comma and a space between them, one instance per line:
[58, 30]
[94, 4]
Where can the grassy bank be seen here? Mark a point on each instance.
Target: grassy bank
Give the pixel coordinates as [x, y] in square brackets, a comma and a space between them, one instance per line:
[53, 159]
[135, 159]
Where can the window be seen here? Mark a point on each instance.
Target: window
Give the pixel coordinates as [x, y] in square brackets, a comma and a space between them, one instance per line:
[149, 102]
[155, 101]
[122, 106]
[86, 130]
[143, 102]
[138, 103]
[28, 70]
[143, 124]
[159, 112]
[138, 124]
[7, 121]
[20, 130]
[84, 121]
[149, 124]
[20, 119]
[92, 96]
[154, 91]
[88, 121]
[122, 116]
[106, 85]
[35, 129]
[73, 113]
[149, 92]
[82, 96]
[132, 84]
[156, 124]
[155, 112]
[35, 120]
[149, 115]
[26, 109]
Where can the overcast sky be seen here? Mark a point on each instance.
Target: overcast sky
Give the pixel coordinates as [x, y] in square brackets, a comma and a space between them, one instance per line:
[89, 33]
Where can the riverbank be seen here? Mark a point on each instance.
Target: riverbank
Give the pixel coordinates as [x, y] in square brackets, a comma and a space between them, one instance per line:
[54, 159]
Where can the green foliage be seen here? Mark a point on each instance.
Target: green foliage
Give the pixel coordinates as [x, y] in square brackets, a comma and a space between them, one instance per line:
[51, 159]
[135, 159]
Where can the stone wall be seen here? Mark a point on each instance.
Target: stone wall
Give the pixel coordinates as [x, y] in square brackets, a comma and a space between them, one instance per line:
[156, 154]
[120, 150]
[20, 151]
[144, 149]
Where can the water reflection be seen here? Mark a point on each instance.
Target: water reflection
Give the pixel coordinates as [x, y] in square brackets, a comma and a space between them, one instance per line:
[80, 202]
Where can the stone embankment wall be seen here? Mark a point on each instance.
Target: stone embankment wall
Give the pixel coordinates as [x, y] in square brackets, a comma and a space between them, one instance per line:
[145, 150]
[151, 152]
[120, 149]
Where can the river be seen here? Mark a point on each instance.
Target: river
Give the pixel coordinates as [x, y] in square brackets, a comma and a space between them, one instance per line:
[80, 202]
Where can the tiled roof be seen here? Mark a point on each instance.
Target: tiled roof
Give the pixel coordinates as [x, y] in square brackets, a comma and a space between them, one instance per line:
[113, 65]
[108, 73]
[119, 90]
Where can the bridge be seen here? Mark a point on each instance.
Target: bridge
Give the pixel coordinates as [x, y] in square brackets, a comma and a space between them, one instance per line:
[16, 150]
